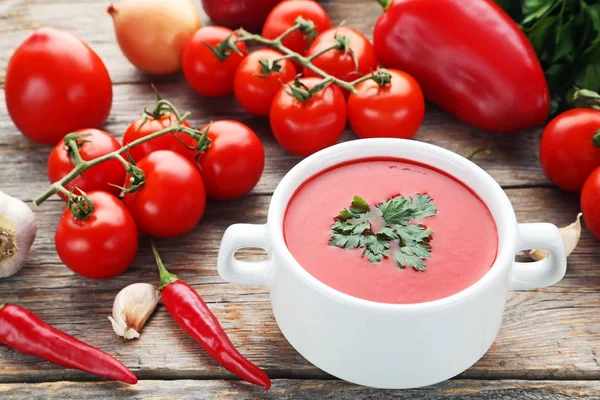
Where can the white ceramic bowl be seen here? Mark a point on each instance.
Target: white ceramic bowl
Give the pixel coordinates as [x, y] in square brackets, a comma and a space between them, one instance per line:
[391, 345]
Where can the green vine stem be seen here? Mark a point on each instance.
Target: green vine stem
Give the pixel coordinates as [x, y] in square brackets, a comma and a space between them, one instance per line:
[82, 165]
[301, 24]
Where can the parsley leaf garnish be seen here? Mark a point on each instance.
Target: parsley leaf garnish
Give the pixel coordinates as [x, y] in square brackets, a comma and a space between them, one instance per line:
[352, 229]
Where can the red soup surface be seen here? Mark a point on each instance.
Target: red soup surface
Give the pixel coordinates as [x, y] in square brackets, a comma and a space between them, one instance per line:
[463, 244]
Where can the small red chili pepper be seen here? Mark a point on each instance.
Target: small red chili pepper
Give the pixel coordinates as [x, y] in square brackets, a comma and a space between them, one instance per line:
[25, 332]
[191, 313]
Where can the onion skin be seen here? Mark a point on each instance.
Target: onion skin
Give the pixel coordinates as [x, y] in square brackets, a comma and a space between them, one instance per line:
[153, 33]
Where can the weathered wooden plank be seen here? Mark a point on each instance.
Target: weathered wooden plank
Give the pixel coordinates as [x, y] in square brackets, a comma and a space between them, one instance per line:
[513, 162]
[302, 389]
[548, 333]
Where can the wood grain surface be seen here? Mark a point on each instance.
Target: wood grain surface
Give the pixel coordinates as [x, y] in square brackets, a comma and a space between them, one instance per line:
[548, 334]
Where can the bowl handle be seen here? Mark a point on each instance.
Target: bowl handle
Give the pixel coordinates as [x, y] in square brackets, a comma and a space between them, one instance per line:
[533, 275]
[241, 236]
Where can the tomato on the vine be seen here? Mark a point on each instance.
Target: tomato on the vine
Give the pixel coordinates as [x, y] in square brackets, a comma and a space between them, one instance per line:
[107, 176]
[395, 109]
[172, 199]
[590, 202]
[234, 161]
[303, 127]
[284, 16]
[570, 147]
[206, 73]
[148, 125]
[55, 83]
[258, 79]
[102, 245]
[351, 54]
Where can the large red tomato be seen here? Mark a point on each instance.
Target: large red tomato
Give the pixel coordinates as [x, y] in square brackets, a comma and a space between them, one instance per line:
[101, 246]
[148, 125]
[171, 202]
[304, 127]
[234, 161]
[204, 71]
[348, 63]
[570, 147]
[393, 110]
[284, 16]
[56, 84]
[106, 176]
[590, 202]
[255, 87]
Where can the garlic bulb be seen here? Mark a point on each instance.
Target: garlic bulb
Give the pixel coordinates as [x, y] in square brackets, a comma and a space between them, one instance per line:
[132, 307]
[17, 233]
[570, 234]
[153, 33]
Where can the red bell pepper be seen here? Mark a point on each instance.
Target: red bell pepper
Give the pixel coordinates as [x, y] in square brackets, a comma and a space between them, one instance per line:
[470, 58]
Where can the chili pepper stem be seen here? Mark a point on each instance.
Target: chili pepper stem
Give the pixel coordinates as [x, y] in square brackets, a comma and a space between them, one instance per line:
[165, 276]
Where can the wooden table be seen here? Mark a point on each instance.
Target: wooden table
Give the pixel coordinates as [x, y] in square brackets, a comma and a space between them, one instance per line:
[548, 347]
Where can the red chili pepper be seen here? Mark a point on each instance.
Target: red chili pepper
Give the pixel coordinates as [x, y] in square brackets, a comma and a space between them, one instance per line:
[25, 332]
[470, 58]
[191, 313]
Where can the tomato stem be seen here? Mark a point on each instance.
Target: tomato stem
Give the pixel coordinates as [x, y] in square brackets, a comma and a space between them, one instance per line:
[165, 276]
[385, 4]
[596, 139]
[476, 151]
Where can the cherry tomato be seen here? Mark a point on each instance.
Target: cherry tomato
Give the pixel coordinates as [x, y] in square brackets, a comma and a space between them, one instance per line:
[303, 128]
[283, 17]
[234, 161]
[205, 73]
[394, 110]
[255, 87]
[346, 64]
[567, 149]
[171, 202]
[55, 84]
[590, 203]
[100, 177]
[101, 246]
[139, 129]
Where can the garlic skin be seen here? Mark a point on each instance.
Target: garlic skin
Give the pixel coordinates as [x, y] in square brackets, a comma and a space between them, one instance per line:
[17, 233]
[153, 33]
[132, 307]
[570, 234]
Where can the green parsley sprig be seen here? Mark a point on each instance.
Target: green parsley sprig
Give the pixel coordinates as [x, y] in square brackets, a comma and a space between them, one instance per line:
[352, 230]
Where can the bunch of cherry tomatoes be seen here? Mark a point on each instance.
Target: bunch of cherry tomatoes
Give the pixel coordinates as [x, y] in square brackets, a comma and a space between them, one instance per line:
[305, 125]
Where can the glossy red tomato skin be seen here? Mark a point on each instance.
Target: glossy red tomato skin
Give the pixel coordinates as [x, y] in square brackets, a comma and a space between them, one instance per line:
[283, 17]
[567, 152]
[590, 203]
[255, 91]
[249, 14]
[205, 73]
[339, 63]
[55, 84]
[102, 245]
[303, 128]
[173, 198]
[234, 162]
[395, 110]
[139, 129]
[470, 58]
[101, 177]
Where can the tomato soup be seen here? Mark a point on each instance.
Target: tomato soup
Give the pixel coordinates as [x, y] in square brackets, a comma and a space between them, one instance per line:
[449, 245]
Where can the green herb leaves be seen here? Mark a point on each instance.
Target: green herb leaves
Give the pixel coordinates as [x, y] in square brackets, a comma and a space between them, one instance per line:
[352, 229]
[566, 38]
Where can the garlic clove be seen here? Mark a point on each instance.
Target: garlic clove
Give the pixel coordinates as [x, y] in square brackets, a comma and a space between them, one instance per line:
[132, 307]
[570, 234]
[17, 233]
